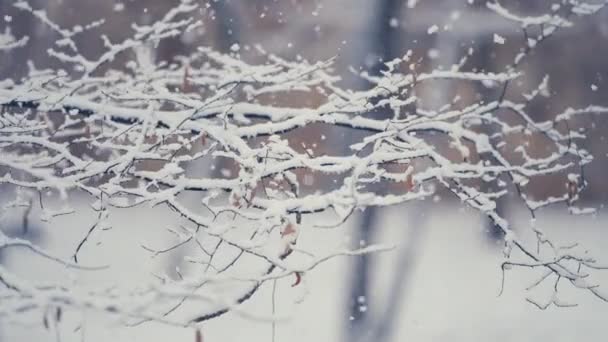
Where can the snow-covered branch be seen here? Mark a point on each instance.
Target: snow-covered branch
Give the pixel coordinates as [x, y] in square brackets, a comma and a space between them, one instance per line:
[130, 134]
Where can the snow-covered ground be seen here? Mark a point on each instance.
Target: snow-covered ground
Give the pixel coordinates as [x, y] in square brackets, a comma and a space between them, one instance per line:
[452, 291]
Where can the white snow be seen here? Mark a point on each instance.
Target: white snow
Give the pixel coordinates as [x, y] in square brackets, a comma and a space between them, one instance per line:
[499, 39]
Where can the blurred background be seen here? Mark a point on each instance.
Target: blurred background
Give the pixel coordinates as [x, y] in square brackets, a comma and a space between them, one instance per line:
[442, 282]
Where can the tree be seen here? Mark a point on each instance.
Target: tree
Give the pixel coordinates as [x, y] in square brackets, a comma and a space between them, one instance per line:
[119, 131]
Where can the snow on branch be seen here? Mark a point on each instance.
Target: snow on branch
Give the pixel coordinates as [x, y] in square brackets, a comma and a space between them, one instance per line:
[129, 134]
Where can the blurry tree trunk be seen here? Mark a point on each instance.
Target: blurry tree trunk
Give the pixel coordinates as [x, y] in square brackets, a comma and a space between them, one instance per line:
[226, 34]
[359, 283]
[383, 44]
[391, 314]
[227, 25]
[485, 61]
[22, 24]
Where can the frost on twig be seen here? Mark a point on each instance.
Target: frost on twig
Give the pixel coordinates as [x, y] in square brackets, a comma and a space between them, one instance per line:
[129, 134]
